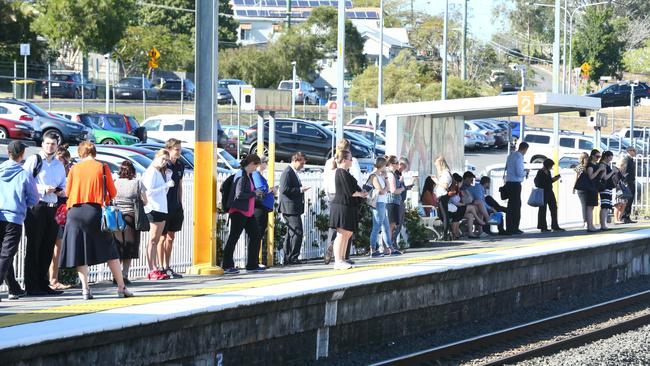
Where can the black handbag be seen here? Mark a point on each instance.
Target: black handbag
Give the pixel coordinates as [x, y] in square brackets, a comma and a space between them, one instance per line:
[584, 183]
[141, 222]
[503, 190]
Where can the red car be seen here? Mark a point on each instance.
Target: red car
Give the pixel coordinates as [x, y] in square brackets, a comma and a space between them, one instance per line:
[10, 129]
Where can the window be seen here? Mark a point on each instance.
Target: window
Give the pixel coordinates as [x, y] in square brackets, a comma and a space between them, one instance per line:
[174, 127]
[245, 33]
[585, 145]
[537, 139]
[567, 142]
[308, 130]
[115, 121]
[4, 110]
[284, 127]
[189, 125]
[152, 125]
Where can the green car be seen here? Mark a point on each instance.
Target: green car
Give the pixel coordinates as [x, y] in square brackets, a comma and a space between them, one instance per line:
[113, 138]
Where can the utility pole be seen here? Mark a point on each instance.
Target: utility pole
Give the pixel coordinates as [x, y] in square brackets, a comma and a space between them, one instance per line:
[340, 60]
[288, 14]
[463, 71]
[443, 93]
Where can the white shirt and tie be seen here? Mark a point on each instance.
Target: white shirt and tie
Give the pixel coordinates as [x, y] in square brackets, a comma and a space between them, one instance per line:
[52, 174]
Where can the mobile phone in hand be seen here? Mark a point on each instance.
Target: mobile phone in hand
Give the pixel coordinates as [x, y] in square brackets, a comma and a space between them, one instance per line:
[58, 189]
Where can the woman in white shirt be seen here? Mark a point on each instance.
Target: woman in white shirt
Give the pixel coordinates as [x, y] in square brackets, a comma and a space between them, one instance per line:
[156, 181]
[377, 180]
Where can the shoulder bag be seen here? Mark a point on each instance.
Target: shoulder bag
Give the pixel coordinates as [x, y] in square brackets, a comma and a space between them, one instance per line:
[373, 195]
[584, 183]
[536, 198]
[503, 190]
[141, 222]
[112, 220]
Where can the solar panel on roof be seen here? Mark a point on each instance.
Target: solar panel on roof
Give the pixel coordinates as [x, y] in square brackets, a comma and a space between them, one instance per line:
[348, 4]
[251, 13]
[249, 2]
[263, 13]
[241, 13]
[372, 15]
[314, 4]
[238, 2]
[282, 2]
[303, 3]
[349, 14]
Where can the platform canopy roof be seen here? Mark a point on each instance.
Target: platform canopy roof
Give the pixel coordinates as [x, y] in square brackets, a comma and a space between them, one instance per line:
[491, 107]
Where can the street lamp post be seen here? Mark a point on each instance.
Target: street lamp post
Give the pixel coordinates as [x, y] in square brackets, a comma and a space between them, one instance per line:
[443, 94]
[293, 89]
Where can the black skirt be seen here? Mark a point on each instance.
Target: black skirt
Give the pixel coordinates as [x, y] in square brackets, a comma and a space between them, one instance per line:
[128, 241]
[83, 242]
[344, 217]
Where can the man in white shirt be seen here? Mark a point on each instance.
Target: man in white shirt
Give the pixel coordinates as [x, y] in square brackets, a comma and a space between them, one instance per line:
[40, 227]
[515, 174]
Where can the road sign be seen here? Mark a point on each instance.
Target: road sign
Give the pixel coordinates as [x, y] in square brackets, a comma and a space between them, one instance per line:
[331, 110]
[526, 103]
[24, 49]
[154, 53]
[585, 67]
[153, 64]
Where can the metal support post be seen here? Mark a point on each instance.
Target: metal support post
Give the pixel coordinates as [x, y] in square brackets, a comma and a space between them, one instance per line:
[443, 94]
[260, 133]
[340, 71]
[144, 99]
[463, 70]
[83, 85]
[293, 88]
[183, 97]
[15, 77]
[49, 87]
[204, 259]
[556, 89]
[380, 89]
[239, 123]
[270, 232]
[108, 90]
[522, 126]
[631, 113]
[25, 80]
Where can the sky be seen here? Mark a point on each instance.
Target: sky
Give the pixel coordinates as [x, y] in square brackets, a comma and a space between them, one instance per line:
[480, 23]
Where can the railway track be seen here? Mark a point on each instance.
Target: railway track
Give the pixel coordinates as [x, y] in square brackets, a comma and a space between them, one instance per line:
[452, 352]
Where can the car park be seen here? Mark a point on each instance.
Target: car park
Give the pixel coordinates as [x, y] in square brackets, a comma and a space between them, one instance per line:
[474, 140]
[10, 129]
[488, 134]
[292, 135]
[540, 144]
[133, 87]
[223, 93]
[101, 136]
[500, 134]
[114, 159]
[618, 95]
[171, 89]
[368, 133]
[114, 122]
[368, 122]
[68, 84]
[304, 91]
[42, 122]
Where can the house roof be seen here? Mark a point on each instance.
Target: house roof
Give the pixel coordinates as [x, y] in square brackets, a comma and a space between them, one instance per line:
[393, 37]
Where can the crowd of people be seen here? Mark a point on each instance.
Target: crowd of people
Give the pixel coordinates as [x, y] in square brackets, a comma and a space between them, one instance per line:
[60, 206]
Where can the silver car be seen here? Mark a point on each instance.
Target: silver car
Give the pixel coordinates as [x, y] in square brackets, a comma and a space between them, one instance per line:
[474, 140]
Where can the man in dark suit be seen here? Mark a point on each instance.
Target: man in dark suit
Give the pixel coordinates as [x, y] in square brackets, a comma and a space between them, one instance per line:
[629, 173]
[292, 206]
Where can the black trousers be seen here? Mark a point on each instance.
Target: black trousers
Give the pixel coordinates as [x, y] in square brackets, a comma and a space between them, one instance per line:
[496, 206]
[513, 215]
[262, 218]
[549, 200]
[293, 239]
[41, 231]
[239, 223]
[10, 235]
[628, 206]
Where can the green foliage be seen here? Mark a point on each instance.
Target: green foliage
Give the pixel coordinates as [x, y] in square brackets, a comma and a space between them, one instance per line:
[68, 276]
[406, 79]
[176, 50]
[256, 66]
[84, 25]
[597, 40]
[638, 60]
[15, 22]
[417, 233]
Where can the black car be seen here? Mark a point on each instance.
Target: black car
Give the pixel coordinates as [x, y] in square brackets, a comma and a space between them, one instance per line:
[223, 93]
[131, 88]
[67, 84]
[171, 89]
[618, 95]
[292, 135]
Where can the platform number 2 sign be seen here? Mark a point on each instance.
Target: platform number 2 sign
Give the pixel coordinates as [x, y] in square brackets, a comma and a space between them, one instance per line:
[525, 103]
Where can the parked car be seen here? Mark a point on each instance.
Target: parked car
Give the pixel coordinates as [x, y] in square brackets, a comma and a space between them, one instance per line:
[42, 121]
[114, 159]
[500, 133]
[357, 139]
[368, 133]
[10, 129]
[187, 154]
[618, 95]
[304, 91]
[489, 135]
[181, 126]
[101, 135]
[540, 144]
[171, 89]
[292, 135]
[223, 93]
[114, 122]
[73, 116]
[474, 140]
[68, 84]
[132, 87]
[367, 122]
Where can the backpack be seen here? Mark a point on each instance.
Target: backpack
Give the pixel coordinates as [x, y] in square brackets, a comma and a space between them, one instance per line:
[225, 189]
[38, 166]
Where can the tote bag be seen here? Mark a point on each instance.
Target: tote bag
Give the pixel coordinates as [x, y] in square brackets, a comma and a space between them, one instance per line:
[141, 222]
[536, 198]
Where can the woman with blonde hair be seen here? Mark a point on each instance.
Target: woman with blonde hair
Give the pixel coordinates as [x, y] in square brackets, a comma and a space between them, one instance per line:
[444, 181]
[344, 211]
[156, 181]
[377, 180]
[89, 187]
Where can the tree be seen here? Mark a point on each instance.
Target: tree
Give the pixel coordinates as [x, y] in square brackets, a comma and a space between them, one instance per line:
[253, 65]
[181, 21]
[176, 50]
[530, 25]
[638, 60]
[15, 23]
[597, 40]
[74, 26]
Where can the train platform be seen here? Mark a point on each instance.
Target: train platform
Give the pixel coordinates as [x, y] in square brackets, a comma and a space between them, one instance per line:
[309, 311]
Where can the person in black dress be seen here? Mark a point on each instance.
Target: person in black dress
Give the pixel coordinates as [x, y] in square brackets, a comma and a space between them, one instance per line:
[606, 186]
[545, 181]
[344, 210]
[593, 173]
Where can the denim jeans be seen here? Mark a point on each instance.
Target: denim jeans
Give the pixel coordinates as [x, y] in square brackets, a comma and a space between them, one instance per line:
[379, 222]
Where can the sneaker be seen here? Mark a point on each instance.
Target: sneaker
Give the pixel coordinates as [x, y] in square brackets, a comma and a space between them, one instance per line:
[377, 254]
[395, 252]
[16, 295]
[483, 236]
[492, 222]
[170, 272]
[350, 261]
[258, 269]
[342, 266]
[231, 271]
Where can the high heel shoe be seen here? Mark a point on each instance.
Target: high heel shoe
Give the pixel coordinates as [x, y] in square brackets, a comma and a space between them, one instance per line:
[124, 293]
[87, 295]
